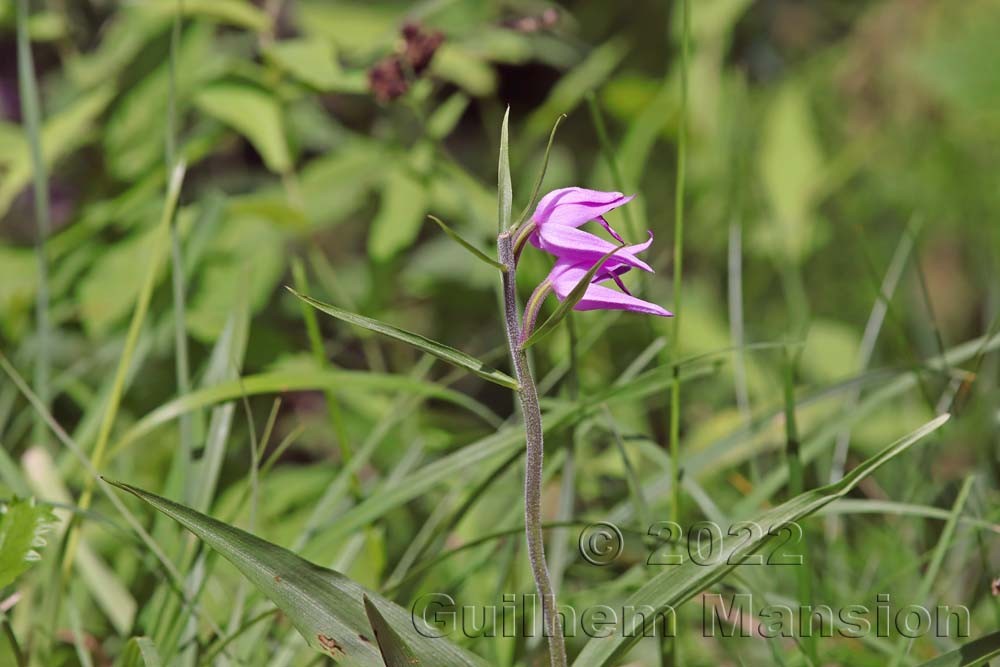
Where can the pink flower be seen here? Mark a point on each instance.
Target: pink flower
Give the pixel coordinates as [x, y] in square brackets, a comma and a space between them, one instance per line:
[554, 230]
[572, 207]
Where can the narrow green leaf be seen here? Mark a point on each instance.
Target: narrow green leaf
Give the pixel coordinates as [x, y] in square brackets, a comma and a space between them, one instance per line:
[676, 585]
[22, 525]
[568, 303]
[439, 350]
[326, 607]
[140, 651]
[391, 645]
[976, 652]
[505, 194]
[304, 379]
[476, 252]
[541, 174]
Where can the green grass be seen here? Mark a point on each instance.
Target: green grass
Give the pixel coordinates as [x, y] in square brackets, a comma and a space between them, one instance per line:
[296, 470]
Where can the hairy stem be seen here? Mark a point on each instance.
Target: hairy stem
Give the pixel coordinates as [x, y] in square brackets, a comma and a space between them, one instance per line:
[528, 396]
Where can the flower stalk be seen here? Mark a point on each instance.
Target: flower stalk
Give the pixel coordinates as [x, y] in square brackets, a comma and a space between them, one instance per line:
[528, 396]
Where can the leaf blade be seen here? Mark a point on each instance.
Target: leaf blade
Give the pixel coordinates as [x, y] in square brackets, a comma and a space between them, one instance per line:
[325, 606]
[505, 193]
[458, 238]
[673, 587]
[432, 347]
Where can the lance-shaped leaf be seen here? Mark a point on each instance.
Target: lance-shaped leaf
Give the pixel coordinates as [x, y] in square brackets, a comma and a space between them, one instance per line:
[541, 174]
[439, 350]
[326, 607]
[677, 584]
[567, 304]
[505, 194]
[476, 252]
[394, 650]
[976, 652]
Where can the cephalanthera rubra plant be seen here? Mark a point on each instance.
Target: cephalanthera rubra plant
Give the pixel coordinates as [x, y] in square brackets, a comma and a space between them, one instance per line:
[583, 261]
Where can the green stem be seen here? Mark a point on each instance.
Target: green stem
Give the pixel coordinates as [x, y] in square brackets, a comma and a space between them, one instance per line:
[531, 412]
[31, 113]
[671, 652]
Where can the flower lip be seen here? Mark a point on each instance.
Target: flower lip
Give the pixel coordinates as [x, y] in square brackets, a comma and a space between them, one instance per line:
[565, 276]
[579, 246]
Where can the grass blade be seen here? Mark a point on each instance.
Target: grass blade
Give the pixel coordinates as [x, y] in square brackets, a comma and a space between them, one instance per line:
[673, 587]
[31, 112]
[976, 652]
[439, 350]
[158, 246]
[325, 606]
[392, 647]
[476, 252]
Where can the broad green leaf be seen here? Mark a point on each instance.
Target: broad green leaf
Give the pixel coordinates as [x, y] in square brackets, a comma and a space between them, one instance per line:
[439, 350]
[567, 304]
[62, 134]
[311, 60]
[976, 652]
[22, 526]
[255, 114]
[476, 252]
[18, 285]
[139, 113]
[465, 69]
[400, 213]
[674, 586]
[335, 185]
[245, 260]
[394, 650]
[446, 116]
[326, 607]
[234, 12]
[571, 88]
[791, 167]
[505, 194]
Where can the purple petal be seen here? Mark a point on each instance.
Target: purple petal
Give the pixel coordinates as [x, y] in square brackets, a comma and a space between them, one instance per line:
[573, 207]
[580, 247]
[565, 276]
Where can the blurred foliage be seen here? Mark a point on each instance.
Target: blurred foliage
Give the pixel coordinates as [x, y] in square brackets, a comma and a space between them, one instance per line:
[823, 136]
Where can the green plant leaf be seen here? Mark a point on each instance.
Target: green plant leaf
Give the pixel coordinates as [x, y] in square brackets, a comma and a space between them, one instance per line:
[394, 650]
[439, 350]
[326, 607]
[674, 586]
[976, 652]
[541, 173]
[253, 113]
[312, 61]
[567, 304]
[400, 214]
[22, 526]
[140, 651]
[297, 379]
[505, 194]
[476, 252]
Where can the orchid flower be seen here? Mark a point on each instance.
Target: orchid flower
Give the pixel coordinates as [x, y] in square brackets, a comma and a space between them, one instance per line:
[554, 229]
